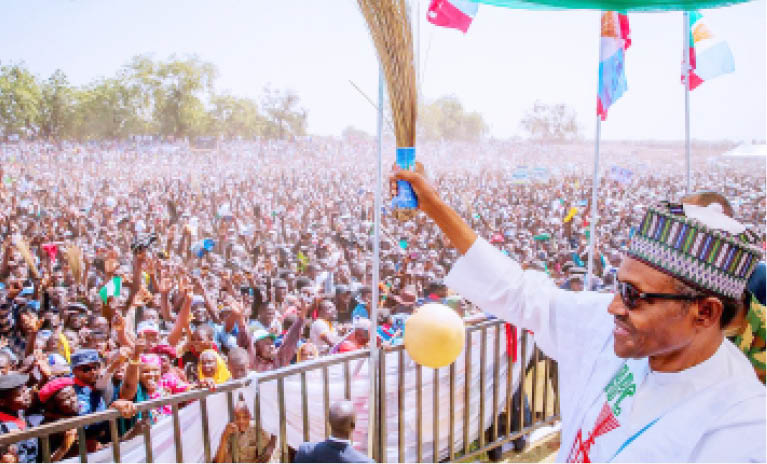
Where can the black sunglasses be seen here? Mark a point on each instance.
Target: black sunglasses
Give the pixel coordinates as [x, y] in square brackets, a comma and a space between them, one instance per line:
[631, 295]
[89, 367]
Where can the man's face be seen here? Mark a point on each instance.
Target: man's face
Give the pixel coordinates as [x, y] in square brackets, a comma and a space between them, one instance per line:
[265, 348]
[654, 327]
[151, 315]
[266, 315]
[77, 321]
[242, 419]
[28, 321]
[280, 292]
[151, 338]
[66, 401]
[199, 314]
[150, 377]
[97, 341]
[200, 341]
[100, 324]
[19, 399]
[576, 285]
[59, 297]
[52, 344]
[345, 298]
[87, 373]
[328, 311]
[238, 367]
[208, 364]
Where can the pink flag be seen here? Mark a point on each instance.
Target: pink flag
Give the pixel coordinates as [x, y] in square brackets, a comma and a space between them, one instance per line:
[457, 14]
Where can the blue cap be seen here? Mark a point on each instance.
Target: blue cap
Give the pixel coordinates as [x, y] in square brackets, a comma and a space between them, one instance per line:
[87, 356]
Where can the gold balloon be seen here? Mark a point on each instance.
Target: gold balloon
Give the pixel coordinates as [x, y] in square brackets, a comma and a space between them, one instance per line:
[434, 335]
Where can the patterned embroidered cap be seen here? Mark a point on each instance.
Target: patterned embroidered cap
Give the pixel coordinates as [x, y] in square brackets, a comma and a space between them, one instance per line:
[700, 255]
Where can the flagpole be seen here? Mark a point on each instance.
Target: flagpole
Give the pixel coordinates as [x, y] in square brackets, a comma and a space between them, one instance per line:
[592, 226]
[686, 73]
[374, 353]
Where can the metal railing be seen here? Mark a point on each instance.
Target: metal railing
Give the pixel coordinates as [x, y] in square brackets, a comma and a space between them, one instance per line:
[472, 445]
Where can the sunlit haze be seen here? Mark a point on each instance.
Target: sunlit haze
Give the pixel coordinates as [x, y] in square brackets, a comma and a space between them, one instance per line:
[506, 61]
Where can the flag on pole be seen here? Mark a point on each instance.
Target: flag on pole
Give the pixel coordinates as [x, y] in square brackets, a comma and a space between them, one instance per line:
[112, 288]
[457, 14]
[710, 56]
[302, 260]
[612, 46]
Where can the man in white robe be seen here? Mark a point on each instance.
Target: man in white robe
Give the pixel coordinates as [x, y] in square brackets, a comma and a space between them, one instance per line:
[646, 374]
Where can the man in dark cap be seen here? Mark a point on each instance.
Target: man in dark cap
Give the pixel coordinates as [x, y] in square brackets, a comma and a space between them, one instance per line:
[15, 399]
[86, 367]
[338, 447]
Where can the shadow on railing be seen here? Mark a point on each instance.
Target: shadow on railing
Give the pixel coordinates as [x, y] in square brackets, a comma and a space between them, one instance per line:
[475, 437]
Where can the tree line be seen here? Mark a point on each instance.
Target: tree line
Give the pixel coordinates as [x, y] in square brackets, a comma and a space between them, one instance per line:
[175, 97]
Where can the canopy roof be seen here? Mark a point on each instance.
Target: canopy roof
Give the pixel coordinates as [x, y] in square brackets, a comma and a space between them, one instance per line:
[617, 5]
[747, 150]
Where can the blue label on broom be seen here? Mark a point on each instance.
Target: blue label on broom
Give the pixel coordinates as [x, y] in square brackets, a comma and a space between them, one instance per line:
[405, 198]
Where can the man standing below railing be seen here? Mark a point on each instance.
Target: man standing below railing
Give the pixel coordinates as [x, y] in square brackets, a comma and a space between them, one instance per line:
[646, 374]
[337, 448]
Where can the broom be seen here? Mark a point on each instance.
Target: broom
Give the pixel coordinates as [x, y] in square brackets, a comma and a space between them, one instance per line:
[389, 27]
[21, 245]
[74, 257]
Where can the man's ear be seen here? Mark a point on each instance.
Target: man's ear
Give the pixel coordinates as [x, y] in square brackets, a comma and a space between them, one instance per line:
[708, 312]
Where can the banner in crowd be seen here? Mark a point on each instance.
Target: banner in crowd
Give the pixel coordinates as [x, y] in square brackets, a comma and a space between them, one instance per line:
[163, 448]
[541, 174]
[520, 175]
[620, 174]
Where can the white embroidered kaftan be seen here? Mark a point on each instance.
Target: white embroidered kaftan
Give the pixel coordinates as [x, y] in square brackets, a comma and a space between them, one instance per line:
[714, 411]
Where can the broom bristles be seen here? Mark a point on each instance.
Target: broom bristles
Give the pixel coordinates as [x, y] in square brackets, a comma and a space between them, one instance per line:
[74, 255]
[389, 26]
[21, 245]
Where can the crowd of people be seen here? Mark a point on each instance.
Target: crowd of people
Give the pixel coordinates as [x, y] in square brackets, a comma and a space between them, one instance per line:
[133, 270]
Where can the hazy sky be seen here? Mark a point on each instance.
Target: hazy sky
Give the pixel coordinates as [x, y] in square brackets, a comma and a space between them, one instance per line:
[506, 61]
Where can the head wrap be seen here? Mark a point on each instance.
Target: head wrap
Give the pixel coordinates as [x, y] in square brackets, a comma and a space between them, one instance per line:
[222, 373]
[705, 249]
[53, 387]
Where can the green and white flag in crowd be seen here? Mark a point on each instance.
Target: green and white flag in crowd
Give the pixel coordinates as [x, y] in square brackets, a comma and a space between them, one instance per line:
[112, 288]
